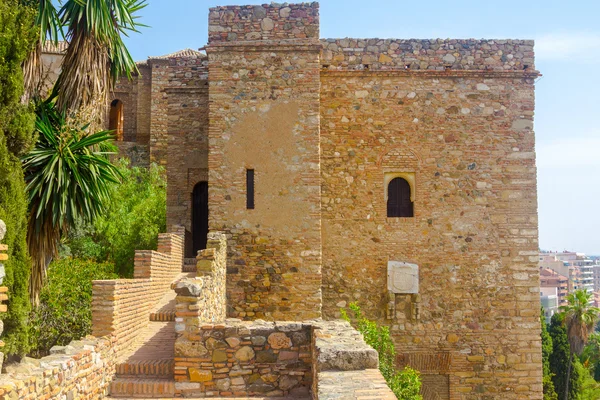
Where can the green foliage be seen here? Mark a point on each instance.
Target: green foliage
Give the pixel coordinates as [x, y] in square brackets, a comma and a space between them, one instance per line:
[405, 384]
[134, 216]
[548, 385]
[589, 389]
[560, 359]
[65, 313]
[16, 137]
[590, 357]
[68, 177]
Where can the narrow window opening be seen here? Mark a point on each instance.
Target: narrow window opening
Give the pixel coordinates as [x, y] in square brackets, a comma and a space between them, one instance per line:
[250, 189]
[399, 203]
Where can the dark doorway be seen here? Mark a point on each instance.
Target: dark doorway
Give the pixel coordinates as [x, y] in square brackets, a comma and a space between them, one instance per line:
[200, 216]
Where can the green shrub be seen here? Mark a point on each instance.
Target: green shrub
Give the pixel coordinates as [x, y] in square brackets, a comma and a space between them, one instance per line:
[405, 384]
[65, 311]
[16, 138]
[135, 215]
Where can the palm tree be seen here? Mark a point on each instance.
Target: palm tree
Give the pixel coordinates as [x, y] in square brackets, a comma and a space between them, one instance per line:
[68, 172]
[96, 55]
[580, 318]
[68, 175]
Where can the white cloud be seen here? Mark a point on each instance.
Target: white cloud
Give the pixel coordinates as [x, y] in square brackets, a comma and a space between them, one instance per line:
[582, 46]
[570, 152]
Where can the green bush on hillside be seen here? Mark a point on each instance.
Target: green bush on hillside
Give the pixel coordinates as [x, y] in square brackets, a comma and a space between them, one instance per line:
[65, 310]
[405, 384]
[135, 215]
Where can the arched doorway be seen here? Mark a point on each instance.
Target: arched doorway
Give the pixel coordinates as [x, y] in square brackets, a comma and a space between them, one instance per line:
[199, 216]
[115, 121]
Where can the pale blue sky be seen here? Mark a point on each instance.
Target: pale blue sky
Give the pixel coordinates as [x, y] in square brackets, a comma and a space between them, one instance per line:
[567, 35]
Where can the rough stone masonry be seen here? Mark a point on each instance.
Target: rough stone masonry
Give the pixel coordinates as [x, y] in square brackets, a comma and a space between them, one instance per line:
[327, 126]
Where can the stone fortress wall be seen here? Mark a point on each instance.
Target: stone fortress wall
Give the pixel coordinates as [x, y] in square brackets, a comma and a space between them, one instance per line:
[325, 124]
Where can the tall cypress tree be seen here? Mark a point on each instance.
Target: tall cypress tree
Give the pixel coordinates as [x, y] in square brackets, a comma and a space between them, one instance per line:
[16, 138]
[548, 384]
[560, 359]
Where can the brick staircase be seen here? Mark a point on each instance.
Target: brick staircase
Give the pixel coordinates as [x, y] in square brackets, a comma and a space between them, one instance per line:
[146, 370]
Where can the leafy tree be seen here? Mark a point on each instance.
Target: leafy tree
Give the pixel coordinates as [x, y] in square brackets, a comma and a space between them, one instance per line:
[589, 388]
[135, 214]
[405, 384]
[67, 178]
[590, 356]
[548, 385]
[16, 138]
[561, 360]
[580, 319]
[65, 310]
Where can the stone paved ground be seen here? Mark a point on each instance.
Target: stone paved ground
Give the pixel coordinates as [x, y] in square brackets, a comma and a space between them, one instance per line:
[353, 385]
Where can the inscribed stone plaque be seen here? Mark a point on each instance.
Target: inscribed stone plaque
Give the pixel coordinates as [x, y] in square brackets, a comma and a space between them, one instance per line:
[403, 277]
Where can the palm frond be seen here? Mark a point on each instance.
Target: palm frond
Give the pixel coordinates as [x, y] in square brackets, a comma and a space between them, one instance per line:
[68, 179]
[96, 56]
[49, 29]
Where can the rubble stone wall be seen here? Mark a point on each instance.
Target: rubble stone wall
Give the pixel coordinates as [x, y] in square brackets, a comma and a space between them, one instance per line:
[467, 136]
[83, 369]
[264, 116]
[427, 54]
[120, 307]
[247, 359]
[264, 22]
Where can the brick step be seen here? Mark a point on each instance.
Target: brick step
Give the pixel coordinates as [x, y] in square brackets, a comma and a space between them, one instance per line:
[162, 316]
[146, 368]
[142, 388]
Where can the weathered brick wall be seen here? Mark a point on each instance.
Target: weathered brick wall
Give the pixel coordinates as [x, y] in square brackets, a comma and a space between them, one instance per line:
[83, 369]
[169, 73]
[144, 93]
[467, 137]
[187, 156]
[423, 54]
[264, 115]
[121, 307]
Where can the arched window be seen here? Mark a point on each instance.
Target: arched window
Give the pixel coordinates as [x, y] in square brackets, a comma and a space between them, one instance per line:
[399, 203]
[115, 122]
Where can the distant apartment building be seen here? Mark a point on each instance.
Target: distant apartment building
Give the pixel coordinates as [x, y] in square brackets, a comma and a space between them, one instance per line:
[553, 283]
[578, 268]
[550, 301]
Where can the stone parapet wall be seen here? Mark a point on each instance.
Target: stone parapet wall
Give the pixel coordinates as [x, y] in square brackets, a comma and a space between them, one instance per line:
[83, 369]
[121, 307]
[203, 299]
[434, 54]
[237, 358]
[246, 359]
[263, 22]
